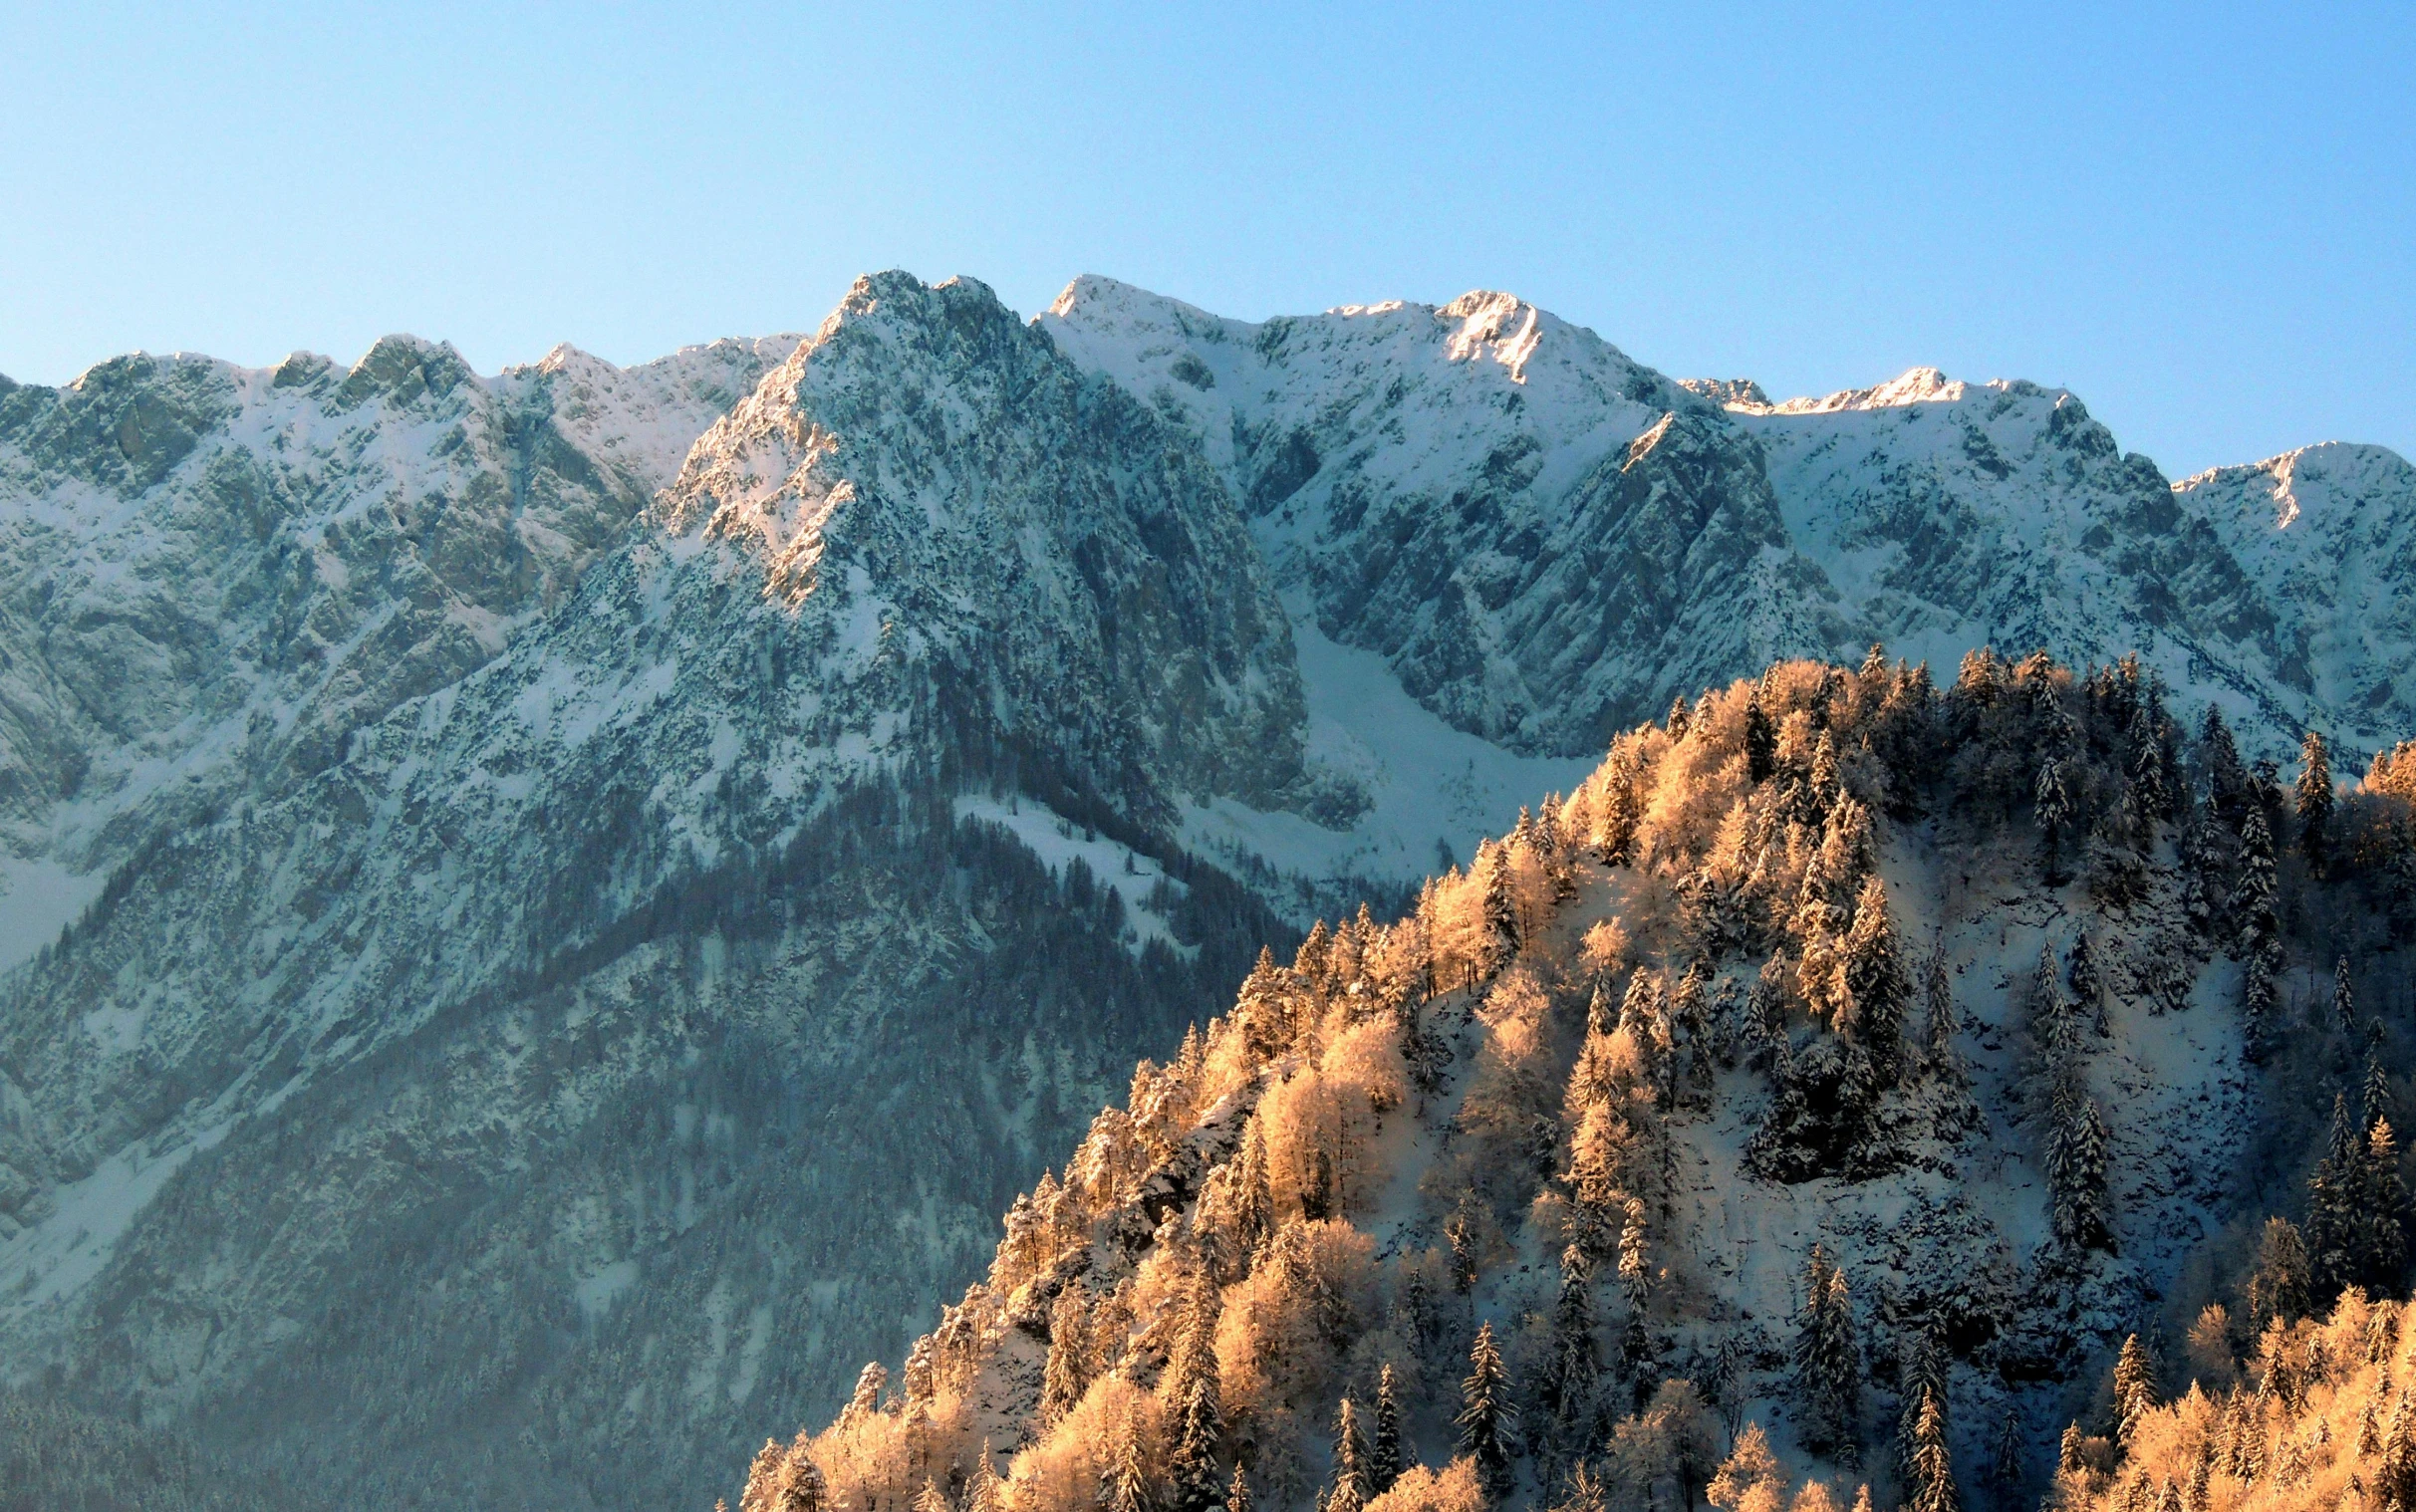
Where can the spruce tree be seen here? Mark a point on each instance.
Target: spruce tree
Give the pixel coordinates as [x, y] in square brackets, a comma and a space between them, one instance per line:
[1920, 1378]
[1576, 1362]
[1932, 1486]
[929, 1498]
[2253, 899]
[2134, 1388]
[2314, 802]
[984, 1492]
[1350, 1462]
[1387, 1456]
[1682, 717]
[1123, 1486]
[2076, 1171]
[1941, 1020]
[1621, 808]
[2344, 999]
[2333, 1208]
[2053, 811]
[871, 1382]
[1066, 1372]
[2256, 996]
[806, 1490]
[1253, 1196]
[1238, 1491]
[1635, 1285]
[1829, 1367]
[1487, 1422]
[2383, 1250]
[1198, 1485]
[2375, 1095]
[1498, 941]
[1760, 738]
[2280, 1286]
[1877, 985]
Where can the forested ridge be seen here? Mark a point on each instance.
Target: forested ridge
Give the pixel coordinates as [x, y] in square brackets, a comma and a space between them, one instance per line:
[1854, 1091]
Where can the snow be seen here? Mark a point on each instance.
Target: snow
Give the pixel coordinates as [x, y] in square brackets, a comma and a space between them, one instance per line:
[37, 898]
[1430, 787]
[1059, 841]
[60, 1255]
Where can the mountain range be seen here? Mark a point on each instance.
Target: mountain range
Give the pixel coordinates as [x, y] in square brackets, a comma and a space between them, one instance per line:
[546, 914]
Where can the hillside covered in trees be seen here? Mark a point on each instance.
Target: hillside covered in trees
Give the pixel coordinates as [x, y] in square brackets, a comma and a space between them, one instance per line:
[1853, 1092]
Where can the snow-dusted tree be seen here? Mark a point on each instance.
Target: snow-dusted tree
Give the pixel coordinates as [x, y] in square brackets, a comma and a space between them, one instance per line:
[2374, 1093]
[2088, 981]
[871, 1382]
[1194, 1385]
[931, 1498]
[1920, 1378]
[1620, 808]
[1498, 937]
[1238, 1491]
[1487, 1421]
[1574, 1365]
[2076, 1171]
[2383, 1247]
[2257, 1000]
[2335, 1220]
[2252, 899]
[2006, 1455]
[1828, 1359]
[2314, 802]
[1636, 1289]
[1941, 1021]
[1124, 1485]
[1761, 736]
[1387, 1456]
[1878, 988]
[1350, 1491]
[2344, 1000]
[986, 1492]
[1931, 1486]
[1682, 717]
[2280, 1286]
[2055, 809]
[805, 1489]
[1253, 1209]
[1066, 1374]
[2134, 1391]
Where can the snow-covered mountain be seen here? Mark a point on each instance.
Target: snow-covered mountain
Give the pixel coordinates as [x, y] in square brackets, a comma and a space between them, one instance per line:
[1549, 541]
[547, 913]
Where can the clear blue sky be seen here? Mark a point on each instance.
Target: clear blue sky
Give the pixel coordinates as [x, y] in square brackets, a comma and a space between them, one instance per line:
[2200, 221]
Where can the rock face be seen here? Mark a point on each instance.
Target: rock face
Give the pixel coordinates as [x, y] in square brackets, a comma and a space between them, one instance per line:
[545, 914]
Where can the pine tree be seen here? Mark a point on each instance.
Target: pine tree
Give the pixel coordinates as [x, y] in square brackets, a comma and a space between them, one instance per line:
[2053, 809]
[1196, 1388]
[1933, 1479]
[1635, 1285]
[1487, 1422]
[1920, 1379]
[1387, 1456]
[2253, 899]
[2314, 802]
[2257, 1003]
[2134, 1388]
